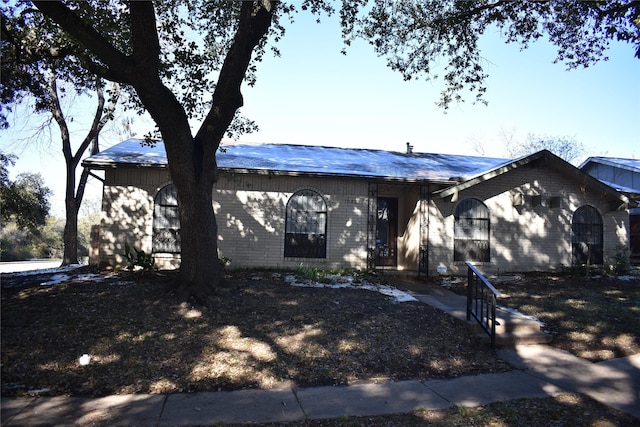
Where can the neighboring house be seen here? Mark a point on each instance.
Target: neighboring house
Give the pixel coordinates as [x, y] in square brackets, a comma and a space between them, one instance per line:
[624, 176]
[291, 205]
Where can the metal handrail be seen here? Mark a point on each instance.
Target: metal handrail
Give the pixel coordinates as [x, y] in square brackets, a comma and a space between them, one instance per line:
[481, 301]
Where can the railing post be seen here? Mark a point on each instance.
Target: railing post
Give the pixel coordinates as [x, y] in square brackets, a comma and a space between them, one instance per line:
[493, 320]
[469, 292]
[481, 293]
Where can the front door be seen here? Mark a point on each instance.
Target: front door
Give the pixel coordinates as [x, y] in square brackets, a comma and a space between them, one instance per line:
[387, 232]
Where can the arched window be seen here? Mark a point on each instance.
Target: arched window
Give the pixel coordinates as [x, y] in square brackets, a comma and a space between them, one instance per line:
[471, 231]
[586, 236]
[306, 225]
[166, 221]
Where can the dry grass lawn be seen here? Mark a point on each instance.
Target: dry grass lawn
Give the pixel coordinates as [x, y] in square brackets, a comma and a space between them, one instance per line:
[260, 332]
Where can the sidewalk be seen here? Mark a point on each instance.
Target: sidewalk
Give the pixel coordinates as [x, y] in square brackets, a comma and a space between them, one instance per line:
[539, 371]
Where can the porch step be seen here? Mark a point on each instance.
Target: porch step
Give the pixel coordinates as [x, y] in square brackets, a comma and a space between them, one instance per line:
[513, 329]
[513, 339]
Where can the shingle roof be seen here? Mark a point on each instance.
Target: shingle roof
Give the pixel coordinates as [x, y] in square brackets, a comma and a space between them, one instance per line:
[317, 160]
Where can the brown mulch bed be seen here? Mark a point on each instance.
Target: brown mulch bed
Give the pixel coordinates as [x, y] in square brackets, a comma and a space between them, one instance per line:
[259, 332]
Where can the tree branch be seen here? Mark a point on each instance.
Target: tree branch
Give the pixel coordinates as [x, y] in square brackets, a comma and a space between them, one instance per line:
[146, 46]
[115, 60]
[56, 113]
[254, 21]
[94, 129]
[464, 16]
[100, 119]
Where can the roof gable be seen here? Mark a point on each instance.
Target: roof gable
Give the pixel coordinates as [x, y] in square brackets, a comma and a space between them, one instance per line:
[566, 168]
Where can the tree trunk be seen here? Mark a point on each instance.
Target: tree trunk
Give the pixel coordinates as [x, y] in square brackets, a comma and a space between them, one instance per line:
[192, 160]
[70, 236]
[200, 271]
[73, 198]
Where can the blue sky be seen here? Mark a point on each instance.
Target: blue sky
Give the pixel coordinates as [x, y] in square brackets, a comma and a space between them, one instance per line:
[315, 95]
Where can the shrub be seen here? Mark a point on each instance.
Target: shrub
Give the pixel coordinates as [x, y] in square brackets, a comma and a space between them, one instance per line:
[224, 262]
[138, 259]
[621, 265]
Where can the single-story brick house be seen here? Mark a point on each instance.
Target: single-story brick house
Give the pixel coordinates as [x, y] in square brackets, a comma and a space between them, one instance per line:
[623, 175]
[281, 205]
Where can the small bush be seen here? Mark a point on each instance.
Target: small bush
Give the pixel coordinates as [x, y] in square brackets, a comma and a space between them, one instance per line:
[138, 259]
[224, 262]
[621, 265]
[317, 274]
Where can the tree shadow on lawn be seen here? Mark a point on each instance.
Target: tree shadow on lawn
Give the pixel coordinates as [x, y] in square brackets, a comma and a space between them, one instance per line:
[259, 333]
[594, 318]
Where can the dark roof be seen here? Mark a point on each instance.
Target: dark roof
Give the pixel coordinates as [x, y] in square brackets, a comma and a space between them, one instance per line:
[316, 160]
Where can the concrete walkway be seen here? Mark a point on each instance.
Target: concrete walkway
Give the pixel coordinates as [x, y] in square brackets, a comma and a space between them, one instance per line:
[539, 371]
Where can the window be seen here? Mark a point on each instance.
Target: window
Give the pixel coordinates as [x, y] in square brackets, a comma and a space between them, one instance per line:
[306, 223]
[586, 236]
[166, 221]
[471, 231]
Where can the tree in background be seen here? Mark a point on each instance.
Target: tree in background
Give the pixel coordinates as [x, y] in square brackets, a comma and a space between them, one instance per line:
[24, 213]
[24, 201]
[5, 162]
[188, 59]
[33, 69]
[564, 147]
[74, 194]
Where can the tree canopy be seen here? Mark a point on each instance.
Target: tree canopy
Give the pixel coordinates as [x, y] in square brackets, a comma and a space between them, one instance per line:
[414, 35]
[194, 37]
[187, 59]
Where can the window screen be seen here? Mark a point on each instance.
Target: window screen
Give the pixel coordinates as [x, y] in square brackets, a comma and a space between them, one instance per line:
[471, 233]
[306, 222]
[586, 236]
[166, 221]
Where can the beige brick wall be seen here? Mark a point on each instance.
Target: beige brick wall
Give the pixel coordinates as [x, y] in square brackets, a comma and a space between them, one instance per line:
[127, 212]
[250, 210]
[527, 237]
